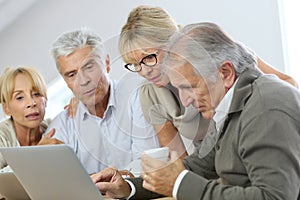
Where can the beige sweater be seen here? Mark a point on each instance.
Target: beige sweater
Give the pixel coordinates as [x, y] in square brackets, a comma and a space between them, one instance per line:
[162, 104]
[8, 136]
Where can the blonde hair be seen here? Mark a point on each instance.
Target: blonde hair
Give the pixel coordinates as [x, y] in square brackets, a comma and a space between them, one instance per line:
[7, 82]
[146, 27]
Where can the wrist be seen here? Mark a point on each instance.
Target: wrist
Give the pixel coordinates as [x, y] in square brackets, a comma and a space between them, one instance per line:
[131, 189]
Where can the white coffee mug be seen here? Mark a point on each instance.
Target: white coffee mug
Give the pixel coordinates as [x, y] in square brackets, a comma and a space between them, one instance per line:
[161, 153]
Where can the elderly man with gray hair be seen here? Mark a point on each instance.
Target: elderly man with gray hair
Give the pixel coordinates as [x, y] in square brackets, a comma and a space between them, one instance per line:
[252, 149]
[109, 128]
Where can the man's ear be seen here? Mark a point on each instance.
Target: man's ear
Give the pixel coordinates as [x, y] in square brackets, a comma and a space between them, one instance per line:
[6, 109]
[227, 74]
[107, 62]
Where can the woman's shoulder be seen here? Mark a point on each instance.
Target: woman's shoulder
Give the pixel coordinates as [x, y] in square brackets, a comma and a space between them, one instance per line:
[6, 126]
[148, 89]
[159, 102]
[7, 133]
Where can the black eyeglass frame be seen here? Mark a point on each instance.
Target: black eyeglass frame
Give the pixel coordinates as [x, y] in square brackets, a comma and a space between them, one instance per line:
[142, 62]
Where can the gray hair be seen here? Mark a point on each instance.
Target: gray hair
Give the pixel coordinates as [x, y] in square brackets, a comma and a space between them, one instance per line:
[68, 42]
[206, 44]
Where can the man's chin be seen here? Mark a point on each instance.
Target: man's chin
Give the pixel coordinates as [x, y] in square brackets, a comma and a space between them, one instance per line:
[88, 102]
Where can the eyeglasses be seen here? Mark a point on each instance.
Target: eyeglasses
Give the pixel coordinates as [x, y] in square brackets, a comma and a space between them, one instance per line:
[149, 61]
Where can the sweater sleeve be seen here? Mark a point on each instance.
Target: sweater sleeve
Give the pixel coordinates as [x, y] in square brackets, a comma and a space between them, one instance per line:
[142, 193]
[272, 166]
[159, 104]
[7, 138]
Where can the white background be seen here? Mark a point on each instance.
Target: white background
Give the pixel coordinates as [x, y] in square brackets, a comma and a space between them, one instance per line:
[27, 40]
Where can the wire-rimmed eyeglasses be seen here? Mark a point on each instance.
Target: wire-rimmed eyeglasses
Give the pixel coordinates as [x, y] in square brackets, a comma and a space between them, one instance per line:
[149, 61]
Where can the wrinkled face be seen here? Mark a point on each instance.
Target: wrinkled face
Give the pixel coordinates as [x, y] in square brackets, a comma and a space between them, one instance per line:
[193, 89]
[153, 74]
[85, 75]
[27, 106]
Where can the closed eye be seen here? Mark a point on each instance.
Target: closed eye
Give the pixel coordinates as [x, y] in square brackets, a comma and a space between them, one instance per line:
[89, 65]
[36, 94]
[19, 98]
[70, 74]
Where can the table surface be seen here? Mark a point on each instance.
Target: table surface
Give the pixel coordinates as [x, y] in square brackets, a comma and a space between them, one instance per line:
[165, 198]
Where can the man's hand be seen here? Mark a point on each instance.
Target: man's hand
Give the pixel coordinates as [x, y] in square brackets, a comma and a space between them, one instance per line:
[110, 182]
[47, 139]
[160, 176]
[126, 174]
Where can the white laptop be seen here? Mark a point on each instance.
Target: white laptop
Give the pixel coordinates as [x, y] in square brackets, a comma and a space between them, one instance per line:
[50, 172]
[10, 187]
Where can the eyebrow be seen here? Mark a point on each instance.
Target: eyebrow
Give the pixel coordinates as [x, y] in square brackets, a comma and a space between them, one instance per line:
[83, 66]
[17, 91]
[22, 91]
[88, 62]
[187, 85]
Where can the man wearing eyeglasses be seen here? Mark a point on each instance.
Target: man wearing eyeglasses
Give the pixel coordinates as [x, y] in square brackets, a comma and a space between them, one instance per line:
[109, 128]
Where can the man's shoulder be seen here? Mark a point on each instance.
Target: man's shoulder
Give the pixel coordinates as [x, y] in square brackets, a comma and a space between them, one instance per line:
[62, 117]
[128, 83]
[62, 123]
[271, 87]
[126, 89]
[269, 92]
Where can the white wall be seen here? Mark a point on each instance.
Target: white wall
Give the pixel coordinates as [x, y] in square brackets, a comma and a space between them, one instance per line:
[291, 25]
[28, 40]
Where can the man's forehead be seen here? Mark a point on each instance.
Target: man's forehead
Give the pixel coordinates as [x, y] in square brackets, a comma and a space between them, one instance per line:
[182, 74]
[174, 57]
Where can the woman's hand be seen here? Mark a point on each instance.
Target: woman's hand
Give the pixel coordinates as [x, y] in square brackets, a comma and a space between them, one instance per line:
[72, 107]
[47, 139]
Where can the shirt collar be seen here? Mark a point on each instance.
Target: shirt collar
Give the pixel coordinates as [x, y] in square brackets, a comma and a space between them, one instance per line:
[223, 108]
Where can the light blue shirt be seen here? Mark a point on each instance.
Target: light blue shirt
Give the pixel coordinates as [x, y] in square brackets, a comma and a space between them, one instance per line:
[114, 140]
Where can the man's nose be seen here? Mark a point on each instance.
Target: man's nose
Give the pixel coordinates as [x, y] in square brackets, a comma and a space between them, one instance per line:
[82, 79]
[185, 99]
